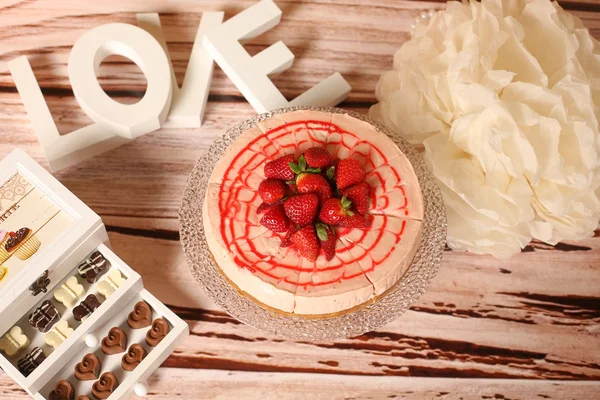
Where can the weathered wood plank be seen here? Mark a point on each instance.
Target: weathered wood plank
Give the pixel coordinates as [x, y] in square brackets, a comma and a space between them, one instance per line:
[355, 38]
[536, 316]
[169, 383]
[549, 310]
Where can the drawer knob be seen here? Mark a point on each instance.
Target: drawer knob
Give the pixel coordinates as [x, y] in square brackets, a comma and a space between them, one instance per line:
[91, 340]
[141, 389]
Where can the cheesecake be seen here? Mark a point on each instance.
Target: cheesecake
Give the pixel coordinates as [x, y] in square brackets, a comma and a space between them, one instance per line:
[313, 213]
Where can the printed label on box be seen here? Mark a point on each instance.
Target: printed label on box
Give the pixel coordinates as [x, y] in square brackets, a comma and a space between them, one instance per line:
[28, 222]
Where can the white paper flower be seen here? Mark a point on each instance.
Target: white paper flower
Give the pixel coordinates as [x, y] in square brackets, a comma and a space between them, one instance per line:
[505, 98]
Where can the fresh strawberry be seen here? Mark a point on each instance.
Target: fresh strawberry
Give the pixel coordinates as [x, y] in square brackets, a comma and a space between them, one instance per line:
[275, 219]
[317, 157]
[280, 168]
[349, 172]
[314, 183]
[302, 209]
[307, 243]
[264, 206]
[327, 236]
[291, 188]
[335, 210]
[302, 167]
[355, 221]
[287, 240]
[359, 195]
[271, 190]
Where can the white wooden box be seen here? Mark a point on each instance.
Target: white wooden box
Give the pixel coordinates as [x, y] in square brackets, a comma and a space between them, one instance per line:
[62, 232]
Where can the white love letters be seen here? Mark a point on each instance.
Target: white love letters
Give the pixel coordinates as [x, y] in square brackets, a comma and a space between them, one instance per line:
[251, 74]
[164, 104]
[127, 120]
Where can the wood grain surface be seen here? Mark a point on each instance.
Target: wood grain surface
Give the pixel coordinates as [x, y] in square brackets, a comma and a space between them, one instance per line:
[527, 328]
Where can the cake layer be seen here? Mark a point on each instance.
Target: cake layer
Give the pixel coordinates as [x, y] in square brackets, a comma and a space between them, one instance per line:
[366, 263]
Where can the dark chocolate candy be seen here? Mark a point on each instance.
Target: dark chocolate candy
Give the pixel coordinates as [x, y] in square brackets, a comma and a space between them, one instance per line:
[141, 316]
[133, 357]
[88, 369]
[93, 267]
[115, 342]
[31, 361]
[41, 284]
[44, 317]
[62, 391]
[86, 307]
[103, 387]
[158, 331]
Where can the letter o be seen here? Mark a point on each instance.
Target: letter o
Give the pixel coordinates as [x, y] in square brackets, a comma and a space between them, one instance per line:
[134, 43]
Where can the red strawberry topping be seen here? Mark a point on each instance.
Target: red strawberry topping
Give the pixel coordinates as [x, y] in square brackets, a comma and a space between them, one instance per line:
[349, 172]
[355, 221]
[334, 211]
[280, 168]
[327, 236]
[317, 157]
[298, 200]
[275, 219]
[359, 195]
[302, 209]
[287, 240]
[264, 206]
[307, 243]
[271, 190]
[314, 183]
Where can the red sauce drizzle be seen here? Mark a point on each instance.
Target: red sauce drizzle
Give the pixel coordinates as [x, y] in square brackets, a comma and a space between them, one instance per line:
[234, 183]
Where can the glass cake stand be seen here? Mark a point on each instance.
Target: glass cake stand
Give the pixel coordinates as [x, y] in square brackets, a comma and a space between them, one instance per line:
[384, 309]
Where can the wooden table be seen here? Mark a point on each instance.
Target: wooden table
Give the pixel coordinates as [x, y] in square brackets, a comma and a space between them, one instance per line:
[528, 328]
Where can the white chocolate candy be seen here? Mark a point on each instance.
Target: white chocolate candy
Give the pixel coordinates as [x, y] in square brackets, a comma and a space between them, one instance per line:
[112, 282]
[13, 341]
[58, 334]
[69, 292]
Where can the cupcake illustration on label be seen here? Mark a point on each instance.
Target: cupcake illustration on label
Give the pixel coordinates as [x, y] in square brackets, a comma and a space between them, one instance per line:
[3, 272]
[4, 236]
[23, 243]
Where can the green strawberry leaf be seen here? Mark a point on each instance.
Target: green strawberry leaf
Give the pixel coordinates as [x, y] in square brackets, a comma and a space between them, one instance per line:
[314, 170]
[330, 173]
[322, 232]
[346, 203]
[302, 163]
[295, 168]
[350, 213]
[292, 182]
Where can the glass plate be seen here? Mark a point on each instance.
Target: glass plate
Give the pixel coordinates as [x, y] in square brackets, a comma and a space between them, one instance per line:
[386, 308]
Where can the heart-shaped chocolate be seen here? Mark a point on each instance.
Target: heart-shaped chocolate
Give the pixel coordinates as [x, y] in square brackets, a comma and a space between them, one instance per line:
[103, 387]
[133, 357]
[83, 397]
[62, 391]
[88, 369]
[158, 331]
[141, 316]
[115, 342]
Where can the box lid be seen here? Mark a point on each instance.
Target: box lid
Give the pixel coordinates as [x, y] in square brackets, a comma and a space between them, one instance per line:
[41, 223]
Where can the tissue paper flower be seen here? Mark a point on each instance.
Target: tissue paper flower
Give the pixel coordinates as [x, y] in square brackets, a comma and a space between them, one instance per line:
[505, 98]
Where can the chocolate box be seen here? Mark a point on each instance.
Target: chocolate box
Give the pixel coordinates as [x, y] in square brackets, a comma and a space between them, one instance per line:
[62, 291]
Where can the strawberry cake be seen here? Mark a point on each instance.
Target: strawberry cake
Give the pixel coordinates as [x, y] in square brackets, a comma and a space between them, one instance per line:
[313, 213]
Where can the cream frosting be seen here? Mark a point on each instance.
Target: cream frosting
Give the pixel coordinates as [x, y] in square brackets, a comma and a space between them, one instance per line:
[366, 263]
